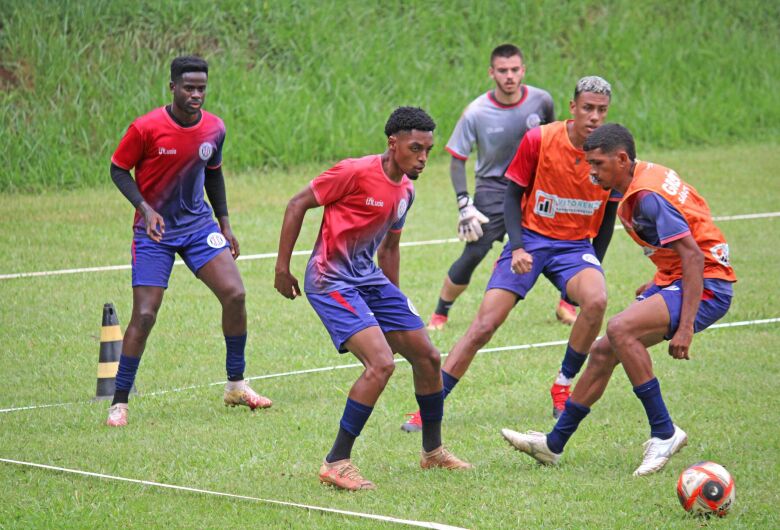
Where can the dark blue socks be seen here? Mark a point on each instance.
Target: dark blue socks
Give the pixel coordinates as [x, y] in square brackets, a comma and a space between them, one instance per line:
[661, 425]
[234, 360]
[449, 383]
[431, 413]
[572, 362]
[125, 377]
[572, 415]
[352, 421]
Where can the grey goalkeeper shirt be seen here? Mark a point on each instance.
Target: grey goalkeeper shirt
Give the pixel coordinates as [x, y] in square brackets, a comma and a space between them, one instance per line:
[496, 130]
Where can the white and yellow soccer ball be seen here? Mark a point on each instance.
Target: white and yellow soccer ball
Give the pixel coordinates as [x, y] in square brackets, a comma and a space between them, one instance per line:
[706, 489]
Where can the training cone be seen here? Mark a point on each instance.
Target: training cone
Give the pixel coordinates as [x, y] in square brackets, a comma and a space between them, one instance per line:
[110, 350]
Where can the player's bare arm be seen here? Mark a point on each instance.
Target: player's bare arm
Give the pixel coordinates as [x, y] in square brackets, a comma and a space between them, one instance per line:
[693, 285]
[284, 281]
[389, 256]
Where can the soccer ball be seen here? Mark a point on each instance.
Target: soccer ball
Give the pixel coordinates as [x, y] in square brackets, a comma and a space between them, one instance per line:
[706, 489]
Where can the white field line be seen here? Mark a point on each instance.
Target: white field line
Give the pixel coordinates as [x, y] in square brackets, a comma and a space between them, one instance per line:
[385, 518]
[272, 255]
[398, 360]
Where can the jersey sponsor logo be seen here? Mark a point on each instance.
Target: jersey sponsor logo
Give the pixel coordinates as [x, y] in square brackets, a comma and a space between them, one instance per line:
[721, 253]
[590, 258]
[164, 151]
[412, 308]
[494, 130]
[373, 202]
[673, 185]
[402, 205]
[533, 120]
[205, 150]
[216, 240]
[547, 205]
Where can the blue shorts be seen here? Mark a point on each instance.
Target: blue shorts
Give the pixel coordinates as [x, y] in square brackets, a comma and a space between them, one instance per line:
[558, 260]
[152, 261]
[348, 311]
[714, 304]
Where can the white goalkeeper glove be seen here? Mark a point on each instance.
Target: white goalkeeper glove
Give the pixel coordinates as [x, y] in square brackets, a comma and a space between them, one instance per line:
[470, 220]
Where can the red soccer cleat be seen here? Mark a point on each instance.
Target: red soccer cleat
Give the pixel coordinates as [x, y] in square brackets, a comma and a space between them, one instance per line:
[414, 423]
[566, 313]
[437, 322]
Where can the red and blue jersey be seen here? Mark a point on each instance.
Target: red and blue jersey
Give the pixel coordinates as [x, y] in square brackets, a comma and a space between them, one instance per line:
[170, 162]
[361, 205]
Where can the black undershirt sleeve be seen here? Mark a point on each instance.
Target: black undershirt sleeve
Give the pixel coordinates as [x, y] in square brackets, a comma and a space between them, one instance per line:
[513, 215]
[124, 181]
[215, 190]
[602, 239]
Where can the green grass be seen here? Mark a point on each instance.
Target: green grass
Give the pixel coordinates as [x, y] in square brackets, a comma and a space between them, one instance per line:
[307, 81]
[725, 397]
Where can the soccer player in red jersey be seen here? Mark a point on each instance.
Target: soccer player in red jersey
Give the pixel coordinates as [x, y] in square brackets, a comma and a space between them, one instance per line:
[691, 290]
[176, 151]
[365, 202]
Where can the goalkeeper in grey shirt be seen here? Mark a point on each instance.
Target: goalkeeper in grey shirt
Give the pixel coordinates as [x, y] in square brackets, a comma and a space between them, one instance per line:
[495, 122]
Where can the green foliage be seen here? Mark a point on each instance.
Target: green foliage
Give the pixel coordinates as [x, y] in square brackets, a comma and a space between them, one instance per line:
[724, 397]
[302, 81]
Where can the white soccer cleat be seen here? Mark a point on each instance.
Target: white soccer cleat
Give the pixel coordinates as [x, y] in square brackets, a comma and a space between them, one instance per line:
[532, 443]
[658, 452]
[240, 393]
[117, 415]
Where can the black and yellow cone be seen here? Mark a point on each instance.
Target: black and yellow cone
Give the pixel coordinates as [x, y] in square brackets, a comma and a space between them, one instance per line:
[110, 351]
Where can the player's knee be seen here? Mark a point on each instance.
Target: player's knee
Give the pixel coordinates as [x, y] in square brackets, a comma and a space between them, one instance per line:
[431, 359]
[594, 306]
[379, 372]
[146, 319]
[235, 297]
[460, 272]
[482, 330]
[618, 330]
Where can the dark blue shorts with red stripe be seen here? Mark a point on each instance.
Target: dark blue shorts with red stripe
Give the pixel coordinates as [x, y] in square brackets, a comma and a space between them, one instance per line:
[347, 311]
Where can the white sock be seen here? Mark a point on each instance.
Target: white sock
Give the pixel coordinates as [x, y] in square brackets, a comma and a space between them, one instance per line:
[235, 385]
[563, 380]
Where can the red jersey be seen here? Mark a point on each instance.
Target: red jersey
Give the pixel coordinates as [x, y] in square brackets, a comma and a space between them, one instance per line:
[560, 201]
[170, 162]
[361, 205]
[687, 201]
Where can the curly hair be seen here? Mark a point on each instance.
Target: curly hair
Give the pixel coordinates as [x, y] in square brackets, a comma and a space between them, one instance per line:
[187, 63]
[609, 138]
[407, 119]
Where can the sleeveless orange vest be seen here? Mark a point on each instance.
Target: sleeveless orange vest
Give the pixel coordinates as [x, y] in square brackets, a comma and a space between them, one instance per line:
[693, 208]
[563, 203]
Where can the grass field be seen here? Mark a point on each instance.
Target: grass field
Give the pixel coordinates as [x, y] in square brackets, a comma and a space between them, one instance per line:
[292, 89]
[724, 397]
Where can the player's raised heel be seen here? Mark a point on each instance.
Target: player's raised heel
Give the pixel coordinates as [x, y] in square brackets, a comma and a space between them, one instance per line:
[658, 452]
[566, 313]
[437, 322]
[117, 415]
[343, 474]
[441, 457]
[240, 393]
[533, 444]
[414, 423]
